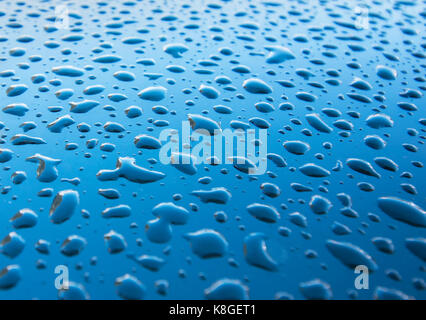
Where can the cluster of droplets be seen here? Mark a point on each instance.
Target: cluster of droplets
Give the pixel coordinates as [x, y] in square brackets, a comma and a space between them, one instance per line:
[84, 105]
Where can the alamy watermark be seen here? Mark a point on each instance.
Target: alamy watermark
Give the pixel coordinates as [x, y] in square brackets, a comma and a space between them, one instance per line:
[362, 21]
[361, 281]
[245, 149]
[62, 19]
[62, 280]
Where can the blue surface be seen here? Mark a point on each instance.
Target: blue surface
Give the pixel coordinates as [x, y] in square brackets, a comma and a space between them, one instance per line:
[396, 28]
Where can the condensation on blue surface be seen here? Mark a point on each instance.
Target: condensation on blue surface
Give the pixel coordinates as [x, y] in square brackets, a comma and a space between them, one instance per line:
[337, 84]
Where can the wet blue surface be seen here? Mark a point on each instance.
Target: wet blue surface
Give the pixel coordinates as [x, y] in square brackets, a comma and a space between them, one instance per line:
[322, 70]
